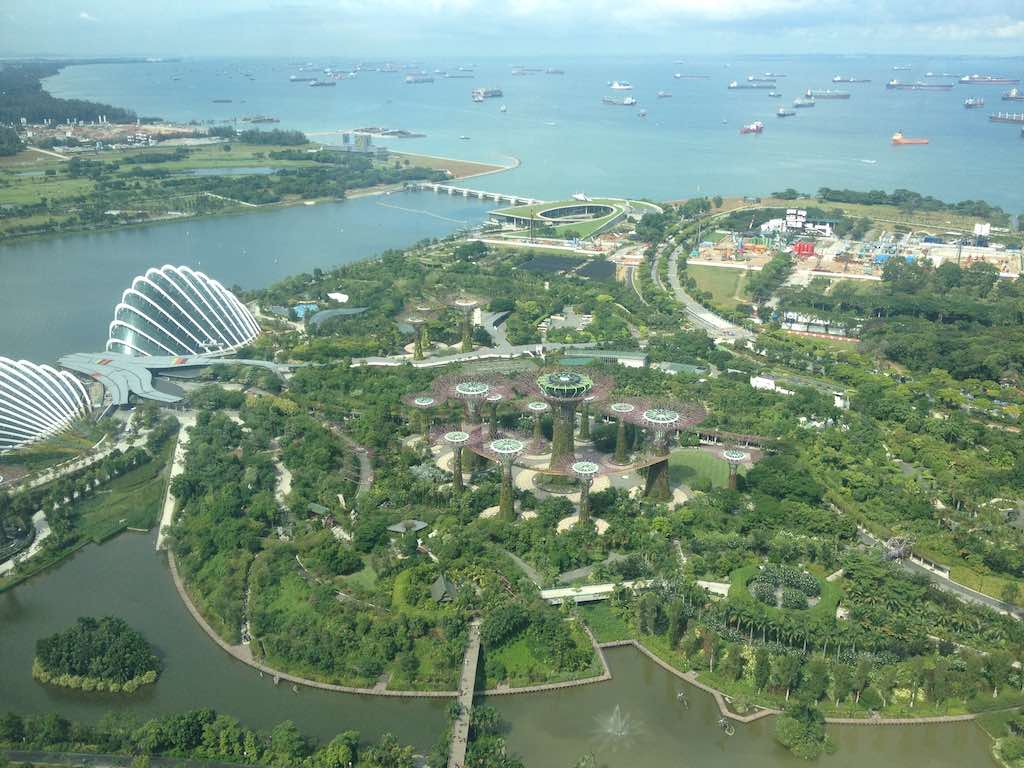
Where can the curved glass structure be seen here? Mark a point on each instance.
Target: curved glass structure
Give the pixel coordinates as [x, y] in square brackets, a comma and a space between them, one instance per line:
[177, 311]
[37, 401]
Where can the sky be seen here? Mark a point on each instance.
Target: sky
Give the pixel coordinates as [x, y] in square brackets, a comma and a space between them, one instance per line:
[414, 28]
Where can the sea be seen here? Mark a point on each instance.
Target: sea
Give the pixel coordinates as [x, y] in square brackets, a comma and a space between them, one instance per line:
[567, 141]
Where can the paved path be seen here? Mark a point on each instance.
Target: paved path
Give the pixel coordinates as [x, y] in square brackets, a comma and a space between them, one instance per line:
[714, 324]
[962, 593]
[185, 420]
[467, 685]
[525, 567]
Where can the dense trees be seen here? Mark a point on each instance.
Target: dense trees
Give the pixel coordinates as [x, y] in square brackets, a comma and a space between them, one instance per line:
[24, 97]
[10, 144]
[96, 653]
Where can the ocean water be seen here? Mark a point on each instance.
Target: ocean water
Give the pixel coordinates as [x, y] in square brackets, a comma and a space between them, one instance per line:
[568, 141]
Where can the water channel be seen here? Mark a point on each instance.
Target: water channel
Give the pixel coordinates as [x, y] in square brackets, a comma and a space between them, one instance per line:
[634, 720]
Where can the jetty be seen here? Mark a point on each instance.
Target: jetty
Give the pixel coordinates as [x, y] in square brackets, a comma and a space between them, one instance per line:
[467, 685]
[450, 189]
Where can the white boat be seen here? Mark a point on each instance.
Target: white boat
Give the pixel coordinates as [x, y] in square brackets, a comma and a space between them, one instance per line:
[503, 108]
[621, 85]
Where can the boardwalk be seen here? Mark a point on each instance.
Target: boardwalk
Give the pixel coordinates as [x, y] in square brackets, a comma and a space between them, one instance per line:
[186, 421]
[467, 684]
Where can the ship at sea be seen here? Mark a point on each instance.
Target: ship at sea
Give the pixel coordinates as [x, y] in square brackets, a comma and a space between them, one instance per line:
[803, 103]
[629, 101]
[756, 127]
[774, 95]
[899, 85]
[826, 94]
[552, 71]
[842, 79]
[417, 79]
[620, 85]
[460, 75]
[683, 76]
[664, 94]
[1017, 118]
[736, 85]
[323, 84]
[1014, 94]
[988, 80]
[774, 75]
[901, 68]
[297, 79]
[479, 94]
[783, 112]
[760, 79]
[974, 103]
[898, 139]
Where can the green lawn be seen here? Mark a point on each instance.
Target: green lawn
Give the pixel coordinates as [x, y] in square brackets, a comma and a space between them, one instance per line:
[690, 466]
[523, 668]
[365, 579]
[133, 500]
[604, 624]
[723, 283]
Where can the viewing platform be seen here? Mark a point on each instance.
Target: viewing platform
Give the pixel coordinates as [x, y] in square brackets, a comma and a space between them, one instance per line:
[452, 190]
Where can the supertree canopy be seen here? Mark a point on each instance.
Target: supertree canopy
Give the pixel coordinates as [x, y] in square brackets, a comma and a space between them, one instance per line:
[467, 305]
[536, 410]
[504, 449]
[421, 403]
[473, 390]
[455, 438]
[564, 391]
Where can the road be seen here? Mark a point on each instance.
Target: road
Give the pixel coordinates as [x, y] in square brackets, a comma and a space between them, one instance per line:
[959, 591]
[715, 325]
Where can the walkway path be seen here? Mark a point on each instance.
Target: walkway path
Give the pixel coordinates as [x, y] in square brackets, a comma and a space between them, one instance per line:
[185, 420]
[467, 685]
[714, 324]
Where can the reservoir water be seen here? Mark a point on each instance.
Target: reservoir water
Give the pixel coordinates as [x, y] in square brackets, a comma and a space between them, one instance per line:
[632, 721]
[568, 141]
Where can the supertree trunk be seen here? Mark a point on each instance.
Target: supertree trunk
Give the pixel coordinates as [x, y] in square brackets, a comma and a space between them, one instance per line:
[538, 429]
[585, 422]
[656, 488]
[492, 428]
[584, 517]
[563, 443]
[620, 442]
[417, 350]
[506, 500]
[467, 332]
[457, 485]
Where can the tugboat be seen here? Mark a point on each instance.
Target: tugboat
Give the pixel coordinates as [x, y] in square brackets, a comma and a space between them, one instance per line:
[756, 127]
[899, 140]
[974, 103]
[783, 112]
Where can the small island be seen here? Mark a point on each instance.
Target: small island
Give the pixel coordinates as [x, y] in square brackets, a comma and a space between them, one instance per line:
[96, 655]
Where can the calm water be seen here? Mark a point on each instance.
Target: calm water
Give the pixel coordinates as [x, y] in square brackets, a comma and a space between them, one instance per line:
[125, 577]
[568, 141]
[57, 295]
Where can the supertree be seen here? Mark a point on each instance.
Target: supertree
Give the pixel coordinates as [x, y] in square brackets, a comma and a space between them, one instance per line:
[585, 418]
[492, 401]
[472, 390]
[504, 450]
[619, 410]
[457, 439]
[421, 403]
[467, 305]
[585, 472]
[564, 391]
[536, 410]
[660, 418]
[417, 322]
[734, 458]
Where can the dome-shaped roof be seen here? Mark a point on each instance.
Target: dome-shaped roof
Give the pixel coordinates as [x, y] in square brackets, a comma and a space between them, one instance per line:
[37, 401]
[178, 311]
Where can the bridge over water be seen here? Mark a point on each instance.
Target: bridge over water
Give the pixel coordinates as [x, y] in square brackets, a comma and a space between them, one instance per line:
[498, 197]
[467, 685]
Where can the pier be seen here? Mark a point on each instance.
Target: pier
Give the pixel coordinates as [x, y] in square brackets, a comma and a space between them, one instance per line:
[498, 197]
[467, 685]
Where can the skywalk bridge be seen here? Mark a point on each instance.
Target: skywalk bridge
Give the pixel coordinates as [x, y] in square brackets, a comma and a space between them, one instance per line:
[498, 197]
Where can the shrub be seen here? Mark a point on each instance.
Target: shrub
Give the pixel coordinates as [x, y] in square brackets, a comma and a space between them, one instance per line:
[794, 599]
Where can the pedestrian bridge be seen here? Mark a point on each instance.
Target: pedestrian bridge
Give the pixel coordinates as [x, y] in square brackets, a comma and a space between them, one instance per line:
[498, 197]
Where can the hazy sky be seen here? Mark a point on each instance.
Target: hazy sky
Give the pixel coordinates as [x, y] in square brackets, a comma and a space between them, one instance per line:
[410, 28]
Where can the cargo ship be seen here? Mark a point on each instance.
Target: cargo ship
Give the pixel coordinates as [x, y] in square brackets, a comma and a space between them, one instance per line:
[988, 80]
[629, 101]
[323, 84]
[774, 74]
[774, 95]
[1014, 94]
[898, 85]
[899, 140]
[297, 79]
[803, 103]
[417, 79]
[620, 85]
[756, 127]
[842, 79]
[683, 76]
[1017, 118]
[736, 85]
[760, 79]
[459, 75]
[974, 103]
[785, 112]
[901, 68]
[479, 94]
[826, 94]
[664, 94]
[551, 71]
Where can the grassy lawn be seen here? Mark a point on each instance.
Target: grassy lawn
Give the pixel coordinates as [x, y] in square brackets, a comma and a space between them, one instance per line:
[604, 624]
[434, 672]
[133, 500]
[365, 579]
[939, 220]
[523, 668]
[458, 168]
[723, 283]
[693, 465]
